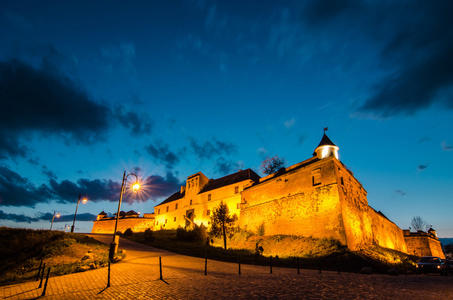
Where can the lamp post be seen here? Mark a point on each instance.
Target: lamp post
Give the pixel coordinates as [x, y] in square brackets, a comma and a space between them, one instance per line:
[58, 215]
[135, 187]
[84, 200]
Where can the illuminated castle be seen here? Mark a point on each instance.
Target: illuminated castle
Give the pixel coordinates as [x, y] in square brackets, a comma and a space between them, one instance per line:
[318, 197]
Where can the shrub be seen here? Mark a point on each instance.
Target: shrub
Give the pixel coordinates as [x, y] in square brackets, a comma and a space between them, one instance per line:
[261, 229]
[149, 235]
[197, 234]
[128, 232]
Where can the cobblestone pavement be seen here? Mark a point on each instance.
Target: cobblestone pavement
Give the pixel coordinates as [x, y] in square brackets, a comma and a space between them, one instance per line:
[138, 277]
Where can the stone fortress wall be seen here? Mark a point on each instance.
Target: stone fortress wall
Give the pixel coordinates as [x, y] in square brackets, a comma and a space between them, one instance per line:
[107, 225]
[318, 197]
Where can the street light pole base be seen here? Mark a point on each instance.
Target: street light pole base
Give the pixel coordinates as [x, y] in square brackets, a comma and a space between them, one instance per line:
[114, 247]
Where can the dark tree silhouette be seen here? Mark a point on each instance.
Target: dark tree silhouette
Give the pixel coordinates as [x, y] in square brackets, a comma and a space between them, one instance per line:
[272, 164]
[419, 224]
[222, 222]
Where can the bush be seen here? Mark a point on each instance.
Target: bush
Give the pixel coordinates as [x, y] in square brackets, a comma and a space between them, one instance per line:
[197, 234]
[128, 232]
[261, 229]
[149, 235]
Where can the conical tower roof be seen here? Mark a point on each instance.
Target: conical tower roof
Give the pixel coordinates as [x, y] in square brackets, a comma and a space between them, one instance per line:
[325, 141]
[326, 148]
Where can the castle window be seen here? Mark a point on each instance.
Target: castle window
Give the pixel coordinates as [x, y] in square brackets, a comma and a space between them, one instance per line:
[208, 212]
[209, 197]
[342, 182]
[174, 220]
[158, 211]
[157, 223]
[236, 189]
[165, 221]
[167, 208]
[316, 177]
[190, 201]
[176, 206]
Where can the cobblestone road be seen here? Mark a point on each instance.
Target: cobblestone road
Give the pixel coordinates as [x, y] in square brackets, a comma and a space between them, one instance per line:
[137, 277]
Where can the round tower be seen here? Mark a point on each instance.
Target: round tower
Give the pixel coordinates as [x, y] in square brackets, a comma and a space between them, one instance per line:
[326, 148]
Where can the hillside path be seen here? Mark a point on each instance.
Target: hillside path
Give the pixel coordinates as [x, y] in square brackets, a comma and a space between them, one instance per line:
[137, 277]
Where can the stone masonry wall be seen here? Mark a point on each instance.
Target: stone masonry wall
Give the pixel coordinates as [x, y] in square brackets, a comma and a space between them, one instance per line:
[386, 233]
[423, 245]
[290, 204]
[135, 224]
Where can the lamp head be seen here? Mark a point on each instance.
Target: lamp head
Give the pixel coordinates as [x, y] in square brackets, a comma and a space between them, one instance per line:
[58, 215]
[84, 200]
[136, 187]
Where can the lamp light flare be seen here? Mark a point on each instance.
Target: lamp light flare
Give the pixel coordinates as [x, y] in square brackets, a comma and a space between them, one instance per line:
[84, 200]
[136, 187]
[58, 215]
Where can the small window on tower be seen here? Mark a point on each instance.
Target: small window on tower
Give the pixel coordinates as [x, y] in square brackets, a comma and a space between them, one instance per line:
[190, 201]
[208, 212]
[236, 189]
[165, 221]
[158, 211]
[209, 197]
[167, 208]
[174, 220]
[176, 206]
[316, 177]
[342, 182]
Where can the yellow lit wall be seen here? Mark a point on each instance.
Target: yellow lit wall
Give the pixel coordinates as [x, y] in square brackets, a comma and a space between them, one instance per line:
[291, 204]
[171, 215]
[135, 224]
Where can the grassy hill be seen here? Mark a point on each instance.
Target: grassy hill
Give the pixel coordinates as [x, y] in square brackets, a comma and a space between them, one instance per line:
[23, 250]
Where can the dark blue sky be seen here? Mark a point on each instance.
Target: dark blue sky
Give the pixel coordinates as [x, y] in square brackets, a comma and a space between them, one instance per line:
[165, 89]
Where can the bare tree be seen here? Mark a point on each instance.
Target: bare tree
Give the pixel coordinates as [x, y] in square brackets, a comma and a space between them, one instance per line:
[419, 224]
[272, 164]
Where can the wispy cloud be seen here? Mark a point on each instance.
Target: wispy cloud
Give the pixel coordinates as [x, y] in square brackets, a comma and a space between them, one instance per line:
[289, 124]
[422, 167]
[446, 147]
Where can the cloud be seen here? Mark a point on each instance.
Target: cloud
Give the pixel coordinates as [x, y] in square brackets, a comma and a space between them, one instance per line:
[41, 101]
[401, 193]
[422, 167]
[18, 191]
[156, 186]
[225, 167]
[161, 154]
[262, 152]
[209, 149]
[290, 123]
[137, 124]
[301, 139]
[67, 191]
[120, 58]
[80, 217]
[424, 139]
[45, 217]
[417, 58]
[446, 147]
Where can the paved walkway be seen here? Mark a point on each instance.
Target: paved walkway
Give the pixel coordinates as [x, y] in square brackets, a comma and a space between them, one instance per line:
[137, 277]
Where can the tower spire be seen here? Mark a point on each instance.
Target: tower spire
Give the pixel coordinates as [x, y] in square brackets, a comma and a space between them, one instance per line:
[326, 147]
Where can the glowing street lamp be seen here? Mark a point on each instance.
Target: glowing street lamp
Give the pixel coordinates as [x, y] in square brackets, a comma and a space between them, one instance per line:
[135, 188]
[82, 197]
[57, 214]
